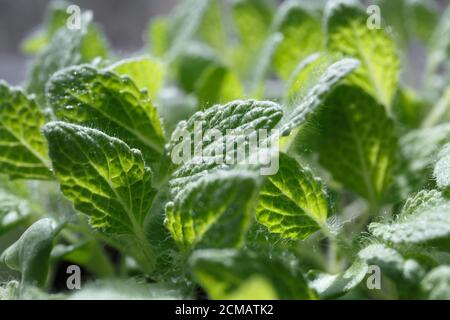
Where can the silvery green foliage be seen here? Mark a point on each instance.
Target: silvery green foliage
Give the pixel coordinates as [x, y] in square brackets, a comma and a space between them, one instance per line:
[90, 154]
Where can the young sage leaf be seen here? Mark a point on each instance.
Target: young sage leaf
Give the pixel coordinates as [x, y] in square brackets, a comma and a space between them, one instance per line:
[215, 209]
[423, 221]
[358, 142]
[292, 202]
[317, 93]
[68, 47]
[23, 150]
[348, 32]
[31, 253]
[14, 211]
[297, 24]
[330, 286]
[105, 180]
[221, 273]
[436, 284]
[146, 72]
[87, 96]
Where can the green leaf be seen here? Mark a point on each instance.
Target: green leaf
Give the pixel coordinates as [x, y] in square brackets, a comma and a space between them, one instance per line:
[255, 288]
[317, 93]
[105, 180]
[423, 220]
[252, 19]
[67, 48]
[146, 72]
[436, 284]
[302, 35]
[190, 20]
[30, 254]
[184, 25]
[158, 35]
[421, 147]
[392, 263]
[218, 84]
[205, 193]
[348, 33]
[236, 116]
[260, 240]
[442, 168]
[94, 44]
[305, 75]
[357, 142]
[222, 272]
[192, 63]
[13, 211]
[334, 285]
[422, 201]
[23, 151]
[408, 108]
[34, 42]
[405, 271]
[418, 151]
[215, 210]
[114, 104]
[56, 18]
[212, 29]
[292, 202]
[304, 78]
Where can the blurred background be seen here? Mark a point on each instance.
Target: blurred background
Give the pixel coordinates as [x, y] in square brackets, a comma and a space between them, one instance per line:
[124, 23]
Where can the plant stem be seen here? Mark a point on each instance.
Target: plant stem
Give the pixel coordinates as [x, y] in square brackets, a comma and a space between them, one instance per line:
[439, 112]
